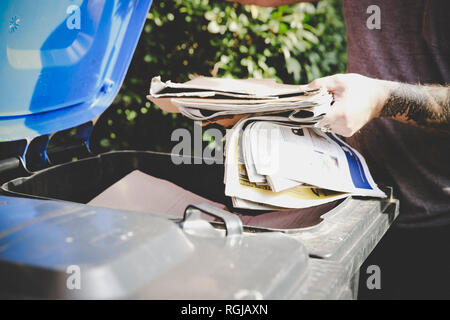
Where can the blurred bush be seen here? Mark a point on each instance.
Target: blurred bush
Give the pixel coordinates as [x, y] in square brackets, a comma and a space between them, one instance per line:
[182, 38]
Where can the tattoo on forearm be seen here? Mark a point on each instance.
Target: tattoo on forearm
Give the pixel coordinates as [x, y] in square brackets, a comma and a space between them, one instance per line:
[426, 106]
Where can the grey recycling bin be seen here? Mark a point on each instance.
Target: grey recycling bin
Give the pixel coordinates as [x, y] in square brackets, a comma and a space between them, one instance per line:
[123, 254]
[64, 62]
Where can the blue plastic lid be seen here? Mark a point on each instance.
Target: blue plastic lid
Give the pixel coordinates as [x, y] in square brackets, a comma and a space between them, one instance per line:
[62, 62]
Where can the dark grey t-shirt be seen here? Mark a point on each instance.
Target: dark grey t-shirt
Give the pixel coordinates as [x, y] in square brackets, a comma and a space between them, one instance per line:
[413, 45]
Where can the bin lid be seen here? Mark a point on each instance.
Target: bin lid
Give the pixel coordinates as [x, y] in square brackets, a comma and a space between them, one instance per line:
[64, 250]
[63, 61]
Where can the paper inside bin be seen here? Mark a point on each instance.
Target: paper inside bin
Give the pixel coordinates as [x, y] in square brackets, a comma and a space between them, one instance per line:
[141, 192]
[144, 193]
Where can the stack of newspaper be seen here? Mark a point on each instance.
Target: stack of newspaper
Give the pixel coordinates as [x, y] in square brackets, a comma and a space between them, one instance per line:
[211, 99]
[275, 157]
[270, 166]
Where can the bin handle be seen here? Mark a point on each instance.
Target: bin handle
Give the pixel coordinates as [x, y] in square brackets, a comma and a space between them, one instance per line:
[233, 223]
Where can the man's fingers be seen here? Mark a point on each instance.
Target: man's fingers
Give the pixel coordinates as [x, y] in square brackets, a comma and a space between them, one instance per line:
[334, 84]
[328, 82]
[332, 117]
[336, 121]
[326, 123]
[322, 124]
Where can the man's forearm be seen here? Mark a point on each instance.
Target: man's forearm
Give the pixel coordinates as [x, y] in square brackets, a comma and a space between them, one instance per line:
[426, 106]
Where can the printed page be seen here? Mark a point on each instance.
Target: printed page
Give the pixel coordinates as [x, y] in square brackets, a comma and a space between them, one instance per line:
[237, 183]
[312, 157]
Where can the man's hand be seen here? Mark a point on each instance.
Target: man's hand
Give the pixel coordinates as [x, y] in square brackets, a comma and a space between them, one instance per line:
[359, 99]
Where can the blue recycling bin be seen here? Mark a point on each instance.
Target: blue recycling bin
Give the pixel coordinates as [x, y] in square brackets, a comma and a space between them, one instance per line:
[62, 63]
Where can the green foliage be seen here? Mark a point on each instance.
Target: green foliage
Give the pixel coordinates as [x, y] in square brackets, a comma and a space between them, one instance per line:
[182, 38]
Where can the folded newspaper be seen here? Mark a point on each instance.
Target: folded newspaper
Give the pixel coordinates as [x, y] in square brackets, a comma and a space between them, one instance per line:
[205, 98]
[275, 157]
[287, 166]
